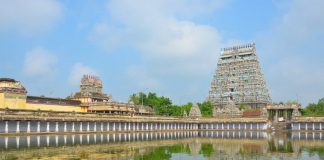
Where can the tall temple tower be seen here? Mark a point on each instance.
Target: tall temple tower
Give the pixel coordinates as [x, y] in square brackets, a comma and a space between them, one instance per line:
[238, 79]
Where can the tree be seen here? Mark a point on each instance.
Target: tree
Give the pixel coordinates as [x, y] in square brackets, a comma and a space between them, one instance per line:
[161, 105]
[321, 101]
[314, 109]
[206, 109]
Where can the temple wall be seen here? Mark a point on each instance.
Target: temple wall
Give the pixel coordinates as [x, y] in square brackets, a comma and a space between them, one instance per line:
[51, 107]
[12, 101]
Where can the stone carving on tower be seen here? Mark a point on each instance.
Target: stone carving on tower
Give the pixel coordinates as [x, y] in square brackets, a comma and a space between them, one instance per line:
[195, 111]
[238, 79]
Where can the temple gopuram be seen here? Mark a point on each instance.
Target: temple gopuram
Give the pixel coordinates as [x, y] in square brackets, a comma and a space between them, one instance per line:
[92, 97]
[238, 81]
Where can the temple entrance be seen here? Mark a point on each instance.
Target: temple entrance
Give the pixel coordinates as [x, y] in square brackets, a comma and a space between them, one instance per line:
[280, 115]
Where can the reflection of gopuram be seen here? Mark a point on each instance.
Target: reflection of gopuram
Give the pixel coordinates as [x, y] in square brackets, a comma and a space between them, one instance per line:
[238, 81]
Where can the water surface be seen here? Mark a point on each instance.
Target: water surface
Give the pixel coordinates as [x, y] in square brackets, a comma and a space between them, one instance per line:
[189, 145]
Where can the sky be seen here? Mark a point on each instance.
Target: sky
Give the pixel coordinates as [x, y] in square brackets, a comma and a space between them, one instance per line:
[163, 46]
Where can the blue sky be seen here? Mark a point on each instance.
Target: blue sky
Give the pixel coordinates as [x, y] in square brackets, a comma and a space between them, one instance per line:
[163, 46]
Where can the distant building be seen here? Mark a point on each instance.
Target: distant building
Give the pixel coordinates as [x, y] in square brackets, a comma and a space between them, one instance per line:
[93, 98]
[91, 90]
[13, 96]
[238, 80]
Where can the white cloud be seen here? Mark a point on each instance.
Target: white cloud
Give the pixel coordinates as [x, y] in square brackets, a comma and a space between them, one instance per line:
[165, 34]
[141, 80]
[39, 62]
[78, 71]
[29, 17]
[292, 53]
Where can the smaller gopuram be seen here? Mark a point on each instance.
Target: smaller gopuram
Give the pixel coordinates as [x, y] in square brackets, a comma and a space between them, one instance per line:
[195, 111]
[91, 90]
[92, 96]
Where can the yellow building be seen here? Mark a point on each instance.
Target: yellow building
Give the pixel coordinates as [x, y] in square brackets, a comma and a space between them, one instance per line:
[14, 96]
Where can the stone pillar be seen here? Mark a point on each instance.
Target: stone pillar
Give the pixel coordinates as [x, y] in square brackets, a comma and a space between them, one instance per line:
[299, 126]
[146, 126]
[250, 126]
[234, 126]
[306, 127]
[88, 127]
[119, 127]
[38, 126]
[56, 127]
[95, 127]
[114, 126]
[73, 127]
[65, 127]
[6, 127]
[101, 127]
[17, 127]
[239, 126]
[245, 126]
[257, 126]
[137, 126]
[313, 126]
[28, 126]
[320, 126]
[47, 126]
[292, 126]
[81, 129]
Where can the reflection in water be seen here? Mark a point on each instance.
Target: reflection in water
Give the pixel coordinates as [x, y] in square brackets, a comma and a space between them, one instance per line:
[165, 145]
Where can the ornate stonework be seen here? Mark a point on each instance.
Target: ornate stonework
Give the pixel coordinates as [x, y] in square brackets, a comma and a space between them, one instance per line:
[195, 111]
[238, 80]
[228, 110]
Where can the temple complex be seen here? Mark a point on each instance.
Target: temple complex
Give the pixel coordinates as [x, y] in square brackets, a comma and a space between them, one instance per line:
[238, 81]
[92, 97]
[13, 96]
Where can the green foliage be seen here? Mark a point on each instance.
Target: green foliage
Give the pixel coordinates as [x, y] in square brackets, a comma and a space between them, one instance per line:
[206, 109]
[161, 105]
[243, 107]
[321, 101]
[314, 109]
[164, 106]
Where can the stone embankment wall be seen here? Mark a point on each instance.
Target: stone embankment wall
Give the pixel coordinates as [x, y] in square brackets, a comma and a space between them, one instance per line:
[307, 123]
[57, 122]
